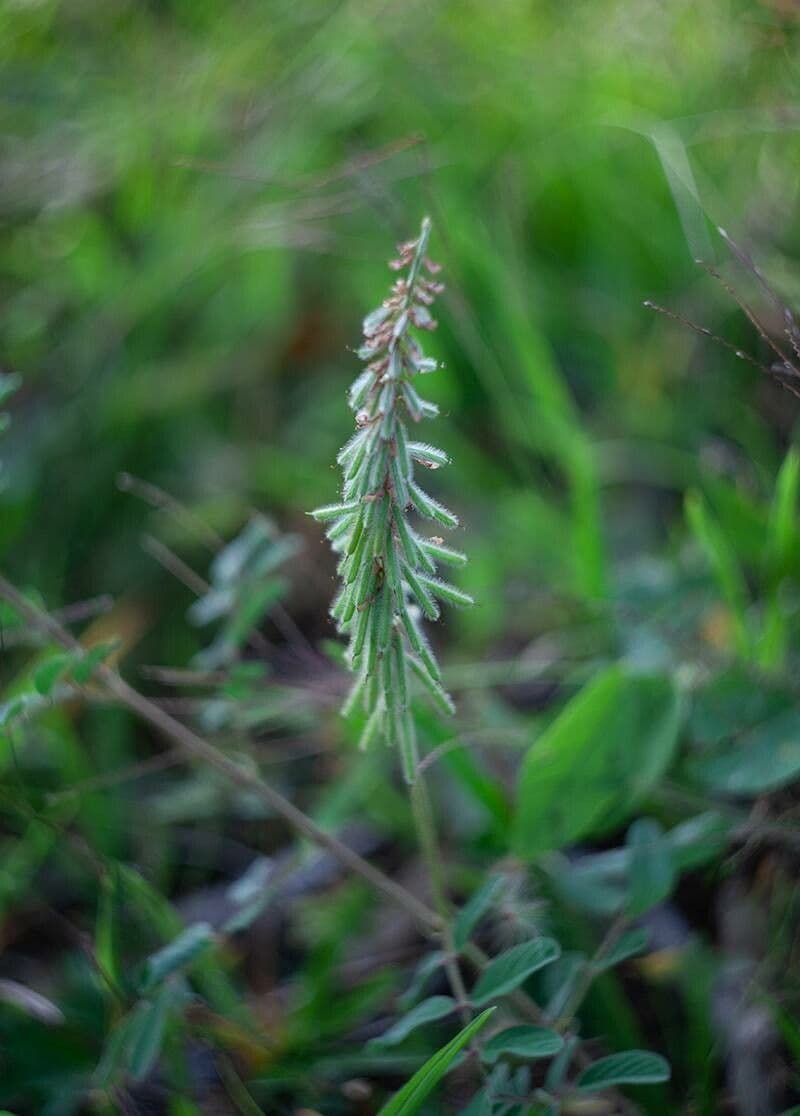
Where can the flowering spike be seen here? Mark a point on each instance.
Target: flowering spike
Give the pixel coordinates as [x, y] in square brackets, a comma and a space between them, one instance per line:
[388, 570]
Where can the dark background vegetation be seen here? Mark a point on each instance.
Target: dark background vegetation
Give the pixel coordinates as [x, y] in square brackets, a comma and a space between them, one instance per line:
[197, 201]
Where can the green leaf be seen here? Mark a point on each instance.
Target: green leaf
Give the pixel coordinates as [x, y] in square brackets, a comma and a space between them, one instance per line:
[333, 511]
[441, 553]
[437, 1007]
[589, 887]
[598, 882]
[480, 1105]
[475, 908]
[523, 1042]
[628, 945]
[410, 1098]
[430, 508]
[428, 455]
[46, 676]
[19, 707]
[180, 952]
[596, 761]
[633, 1067]
[91, 659]
[9, 383]
[699, 839]
[729, 704]
[115, 1058]
[505, 973]
[104, 928]
[147, 1035]
[253, 603]
[481, 783]
[781, 530]
[763, 759]
[724, 565]
[777, 563]
[652, 872]
[446, 592]
[429, 964]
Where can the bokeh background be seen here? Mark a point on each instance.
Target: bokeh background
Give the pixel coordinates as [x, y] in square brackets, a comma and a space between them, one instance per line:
[198, 199]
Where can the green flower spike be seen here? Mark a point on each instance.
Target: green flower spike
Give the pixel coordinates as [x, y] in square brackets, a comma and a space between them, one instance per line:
[388, 569]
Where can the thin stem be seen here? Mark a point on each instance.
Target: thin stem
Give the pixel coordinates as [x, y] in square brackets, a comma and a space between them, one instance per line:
[171, 758]
[422, 813]
[588, 972]
[198, 585]
[197, 748]
[162, 500]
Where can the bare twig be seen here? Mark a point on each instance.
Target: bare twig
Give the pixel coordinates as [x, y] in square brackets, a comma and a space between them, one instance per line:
[161, 500]
[704, 332]
[193, 581]
[170, 561]
[162, 762]
[197, 748]
[69, 614]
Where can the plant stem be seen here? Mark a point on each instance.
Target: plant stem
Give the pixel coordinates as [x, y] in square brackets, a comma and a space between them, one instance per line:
[422, 813]
[425, 826]
[197, 748]
[527, 1008]
[588, 973]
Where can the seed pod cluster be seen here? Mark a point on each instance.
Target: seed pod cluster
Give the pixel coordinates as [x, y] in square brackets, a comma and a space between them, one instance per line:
[388, 568]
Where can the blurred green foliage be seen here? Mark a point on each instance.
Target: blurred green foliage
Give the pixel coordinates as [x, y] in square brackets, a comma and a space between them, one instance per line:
[197, 202]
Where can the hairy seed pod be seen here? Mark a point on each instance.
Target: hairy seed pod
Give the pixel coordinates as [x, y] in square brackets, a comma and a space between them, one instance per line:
[389, 572]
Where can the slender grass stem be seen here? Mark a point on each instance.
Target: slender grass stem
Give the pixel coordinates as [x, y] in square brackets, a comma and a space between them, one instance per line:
[427, 836]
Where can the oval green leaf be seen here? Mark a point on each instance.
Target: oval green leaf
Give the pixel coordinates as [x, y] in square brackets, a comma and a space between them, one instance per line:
[763, 759]
[437, 1007]
[49, 672]
[177, 955]
[91, 660]
[652, 871]
[428, 965]
[510, 969]
[633, 1067]
[592, 766]
[479, 904]
[628, 945]
[523, 1042]
[148, 1031]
